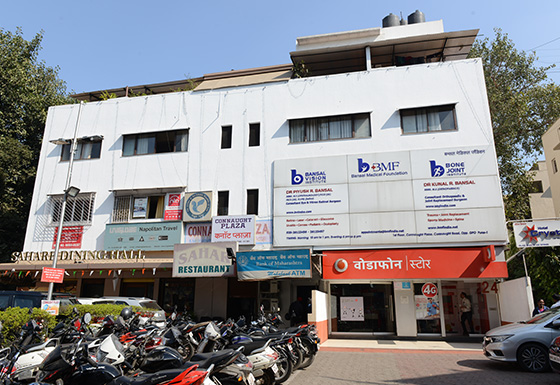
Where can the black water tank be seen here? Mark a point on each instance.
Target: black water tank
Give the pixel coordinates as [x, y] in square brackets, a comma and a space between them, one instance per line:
[391, 20]
[416, 17]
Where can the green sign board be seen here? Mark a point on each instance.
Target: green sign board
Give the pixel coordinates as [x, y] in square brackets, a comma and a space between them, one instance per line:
[145, 236]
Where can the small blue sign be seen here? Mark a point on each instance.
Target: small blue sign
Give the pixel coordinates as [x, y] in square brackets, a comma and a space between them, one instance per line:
[256, 265]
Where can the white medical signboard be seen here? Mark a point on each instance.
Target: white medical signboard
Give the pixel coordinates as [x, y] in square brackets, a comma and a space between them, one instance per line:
[406, 197]
[537, 233]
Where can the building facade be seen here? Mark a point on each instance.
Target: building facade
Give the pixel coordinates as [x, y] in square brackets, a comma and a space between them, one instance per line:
[365, 171]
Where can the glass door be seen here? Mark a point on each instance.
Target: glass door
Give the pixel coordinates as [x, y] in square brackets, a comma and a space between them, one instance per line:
[363, 308]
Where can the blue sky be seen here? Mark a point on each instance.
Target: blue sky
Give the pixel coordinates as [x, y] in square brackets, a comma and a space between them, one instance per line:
[109, 44]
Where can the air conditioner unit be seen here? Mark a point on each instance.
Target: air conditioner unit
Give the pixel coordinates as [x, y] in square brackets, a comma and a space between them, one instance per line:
[270, 305]
[269, 287]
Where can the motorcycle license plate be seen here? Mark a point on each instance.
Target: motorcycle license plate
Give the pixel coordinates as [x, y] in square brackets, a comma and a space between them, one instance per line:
[251, 379]
[275, 368]
[318, 346]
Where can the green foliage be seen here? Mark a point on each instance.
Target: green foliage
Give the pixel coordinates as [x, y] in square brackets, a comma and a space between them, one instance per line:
[28, 87]
[523, 104]
[105, 95]
[13, 318]
[300, 70]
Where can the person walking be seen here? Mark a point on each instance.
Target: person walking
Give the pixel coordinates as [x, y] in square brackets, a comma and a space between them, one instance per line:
[466, 314]
[540, 307]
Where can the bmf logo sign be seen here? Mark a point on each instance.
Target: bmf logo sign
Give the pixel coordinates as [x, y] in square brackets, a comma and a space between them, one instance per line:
[309, 177]
[376, 166]
[448, 169]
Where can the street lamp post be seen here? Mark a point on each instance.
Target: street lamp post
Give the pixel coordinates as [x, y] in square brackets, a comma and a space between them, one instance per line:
[68, 191]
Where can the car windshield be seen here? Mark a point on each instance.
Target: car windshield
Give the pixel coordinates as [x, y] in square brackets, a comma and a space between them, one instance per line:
[545, 316]
[150, 305]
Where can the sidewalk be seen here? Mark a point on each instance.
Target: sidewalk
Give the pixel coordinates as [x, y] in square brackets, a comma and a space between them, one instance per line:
[360, 344]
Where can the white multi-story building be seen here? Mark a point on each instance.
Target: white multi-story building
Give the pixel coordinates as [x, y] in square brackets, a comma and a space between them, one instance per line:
[365, 171]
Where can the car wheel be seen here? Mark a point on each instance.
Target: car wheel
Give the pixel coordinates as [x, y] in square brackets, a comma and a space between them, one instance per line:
[533, 358]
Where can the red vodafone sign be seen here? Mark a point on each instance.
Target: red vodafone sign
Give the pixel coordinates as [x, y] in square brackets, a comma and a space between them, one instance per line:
[51, 274]
[429, 290]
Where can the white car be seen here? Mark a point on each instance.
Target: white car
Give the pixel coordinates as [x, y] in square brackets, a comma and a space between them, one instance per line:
[149, 304]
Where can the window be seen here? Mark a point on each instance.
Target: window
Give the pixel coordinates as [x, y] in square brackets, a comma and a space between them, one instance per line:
[129, 207]
[254, 134]
[253, 202]
[78, 211]
[223, 202]
[156, 142]
[429, 119]
[85, 149]
[554, 166]
[536, 186]
[226, 136]
[328, 128]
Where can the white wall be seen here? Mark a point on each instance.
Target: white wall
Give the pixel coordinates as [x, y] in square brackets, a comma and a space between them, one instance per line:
[207, 167]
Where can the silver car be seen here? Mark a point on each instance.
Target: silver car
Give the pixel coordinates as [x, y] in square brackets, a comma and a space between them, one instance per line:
[525, 342]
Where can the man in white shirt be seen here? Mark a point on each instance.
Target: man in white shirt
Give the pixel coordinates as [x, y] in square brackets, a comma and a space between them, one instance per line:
[466, 314]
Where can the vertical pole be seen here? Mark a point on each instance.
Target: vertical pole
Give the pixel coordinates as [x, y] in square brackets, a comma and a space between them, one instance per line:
[73, 147]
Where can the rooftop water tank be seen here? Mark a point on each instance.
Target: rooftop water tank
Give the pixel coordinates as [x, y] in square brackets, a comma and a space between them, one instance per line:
[416, 17]
[391, 20]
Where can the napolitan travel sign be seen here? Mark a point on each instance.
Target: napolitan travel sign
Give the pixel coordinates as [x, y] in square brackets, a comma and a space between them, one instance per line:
[537, 233]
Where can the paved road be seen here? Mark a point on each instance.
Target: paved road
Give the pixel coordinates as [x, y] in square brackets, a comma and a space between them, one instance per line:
[336, 366]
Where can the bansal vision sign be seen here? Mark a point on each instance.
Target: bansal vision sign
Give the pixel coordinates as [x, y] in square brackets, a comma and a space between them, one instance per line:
[445, 195]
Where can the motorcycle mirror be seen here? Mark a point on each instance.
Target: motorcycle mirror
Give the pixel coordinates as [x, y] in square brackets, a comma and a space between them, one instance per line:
[173, 316]
[87, 318]
[75, 311]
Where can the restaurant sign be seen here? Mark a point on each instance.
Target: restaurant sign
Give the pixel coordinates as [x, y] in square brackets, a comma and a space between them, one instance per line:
[203, 260]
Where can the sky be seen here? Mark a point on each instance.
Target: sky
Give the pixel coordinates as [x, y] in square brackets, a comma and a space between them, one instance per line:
[104, 44]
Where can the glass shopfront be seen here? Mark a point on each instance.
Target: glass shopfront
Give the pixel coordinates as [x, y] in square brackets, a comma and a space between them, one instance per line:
[363, 308]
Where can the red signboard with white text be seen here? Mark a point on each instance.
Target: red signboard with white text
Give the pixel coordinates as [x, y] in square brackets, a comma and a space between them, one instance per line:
[71, 237]
[51, 274]
[173, 208]
[413, 264]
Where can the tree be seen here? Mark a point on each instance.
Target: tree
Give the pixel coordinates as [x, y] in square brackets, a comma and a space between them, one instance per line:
[523, 104]
[28, 87]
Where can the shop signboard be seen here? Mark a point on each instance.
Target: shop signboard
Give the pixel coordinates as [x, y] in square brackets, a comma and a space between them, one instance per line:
[263, 232]
[71, 237]
[173, 207]
[258, 265]
[198, 232]
[203, 260]
[445, 263]
[144, 236]
[198, 206]
[537, 233]
[432, 196]
[240, 229]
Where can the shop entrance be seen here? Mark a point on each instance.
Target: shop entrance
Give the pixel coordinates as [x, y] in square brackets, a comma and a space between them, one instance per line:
[363, 308]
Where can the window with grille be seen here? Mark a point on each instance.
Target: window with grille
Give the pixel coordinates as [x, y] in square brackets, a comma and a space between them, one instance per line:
[79, 209]
[330, 128]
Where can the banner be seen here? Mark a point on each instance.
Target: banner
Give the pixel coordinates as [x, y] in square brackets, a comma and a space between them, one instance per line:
[256, 265]
[51, 274]
[173, 208]
[70, 238]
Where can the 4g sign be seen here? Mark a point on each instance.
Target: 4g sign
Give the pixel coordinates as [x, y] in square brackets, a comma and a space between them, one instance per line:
[429, 290]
